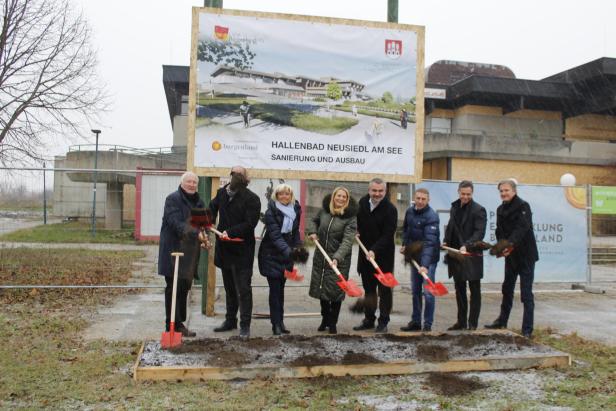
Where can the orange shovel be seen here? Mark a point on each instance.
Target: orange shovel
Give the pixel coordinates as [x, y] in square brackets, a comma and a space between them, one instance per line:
[350, 287]
[171, 338]
[293, 275]
[436, 289]
[387, 279]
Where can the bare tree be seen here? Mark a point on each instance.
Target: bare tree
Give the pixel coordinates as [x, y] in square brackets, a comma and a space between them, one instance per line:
[49, 87]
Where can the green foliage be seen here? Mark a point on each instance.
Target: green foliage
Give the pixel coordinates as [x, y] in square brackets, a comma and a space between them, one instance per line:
[283, 115]
[334, 91]
[387, 98]
[229, 53]
[70, 232]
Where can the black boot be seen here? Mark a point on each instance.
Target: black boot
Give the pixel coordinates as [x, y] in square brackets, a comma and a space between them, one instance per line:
[364, 325]
[412, 326]
[226, 326]
[496, 325]
[284, 329]
[276, 329]
[323, 325]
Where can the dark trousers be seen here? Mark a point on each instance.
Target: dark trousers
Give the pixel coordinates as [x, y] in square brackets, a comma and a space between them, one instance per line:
[238, 292]
[475, 306]
[527, 275]
[276, 299]
[330, 310]
[180, 301]
[372, 286]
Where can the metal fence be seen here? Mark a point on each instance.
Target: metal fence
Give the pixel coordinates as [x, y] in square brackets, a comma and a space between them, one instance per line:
[126, 207]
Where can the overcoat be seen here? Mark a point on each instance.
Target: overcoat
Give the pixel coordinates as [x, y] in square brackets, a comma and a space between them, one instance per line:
[465, 227]
[275, 249]
[336, 234]
[177, 235]
[514, 222]
[238, 216]
[377, 229]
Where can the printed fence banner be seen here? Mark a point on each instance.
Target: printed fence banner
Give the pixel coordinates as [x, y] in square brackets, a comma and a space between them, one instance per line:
[281, 92]
[559, 222]
[603, 200]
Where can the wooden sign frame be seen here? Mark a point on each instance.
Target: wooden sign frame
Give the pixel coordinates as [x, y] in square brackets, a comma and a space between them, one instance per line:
[304, 174]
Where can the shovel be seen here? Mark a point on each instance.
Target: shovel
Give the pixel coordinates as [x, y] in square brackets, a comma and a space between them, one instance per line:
[387, 279]
[201, 218]
[436, 289]
[293, 275]
[350, 287]
[464, 253]
[171, 338]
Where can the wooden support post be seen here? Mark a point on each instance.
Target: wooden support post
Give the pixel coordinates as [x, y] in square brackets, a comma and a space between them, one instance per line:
[210, 287]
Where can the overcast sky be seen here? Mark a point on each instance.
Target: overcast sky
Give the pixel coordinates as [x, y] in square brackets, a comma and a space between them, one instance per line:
[533, 38]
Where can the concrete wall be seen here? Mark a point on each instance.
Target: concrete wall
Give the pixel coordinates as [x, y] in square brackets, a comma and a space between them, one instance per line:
[180, 131]
[491, 120]
[483, 170]
[73, 199]
[591, 127]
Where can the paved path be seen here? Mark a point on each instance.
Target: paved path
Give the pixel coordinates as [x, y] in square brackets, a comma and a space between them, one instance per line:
[139, 317]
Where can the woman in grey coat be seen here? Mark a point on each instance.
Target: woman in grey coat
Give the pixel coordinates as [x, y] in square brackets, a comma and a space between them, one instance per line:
[334, 226]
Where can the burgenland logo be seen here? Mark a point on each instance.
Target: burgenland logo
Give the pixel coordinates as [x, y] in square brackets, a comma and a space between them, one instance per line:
[393, 48]
[217, 146]
[221, 33]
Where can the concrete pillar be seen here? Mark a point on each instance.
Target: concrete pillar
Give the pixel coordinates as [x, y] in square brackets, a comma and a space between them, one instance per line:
[113, 206]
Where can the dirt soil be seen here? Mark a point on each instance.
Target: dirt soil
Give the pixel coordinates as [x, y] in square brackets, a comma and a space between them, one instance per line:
[453, 384]
[336, 349]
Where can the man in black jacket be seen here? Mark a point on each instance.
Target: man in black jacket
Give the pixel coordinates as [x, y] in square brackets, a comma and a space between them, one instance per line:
[514, 223]
[376, 225]
[467, 225]
[238, 211]
[177, 235]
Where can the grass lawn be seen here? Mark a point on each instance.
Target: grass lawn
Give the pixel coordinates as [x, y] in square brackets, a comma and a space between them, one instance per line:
[46, 364]
[283, 115]
[70, 232]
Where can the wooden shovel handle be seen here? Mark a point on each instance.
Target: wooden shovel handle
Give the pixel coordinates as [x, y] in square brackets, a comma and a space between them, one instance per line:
[365, 250]
[329, 260]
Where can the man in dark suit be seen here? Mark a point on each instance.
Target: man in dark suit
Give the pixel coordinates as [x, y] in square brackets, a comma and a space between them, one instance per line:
[467, 225]
[376, 225]
[238, 211]
[514, 223]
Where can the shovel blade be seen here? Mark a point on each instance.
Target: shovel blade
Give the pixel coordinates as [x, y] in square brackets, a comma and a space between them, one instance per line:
[170, 339]
[436, 289]
[387, 279]
[293, 275]
[350, 288]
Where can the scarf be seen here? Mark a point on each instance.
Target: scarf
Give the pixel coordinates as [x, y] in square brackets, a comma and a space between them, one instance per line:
[288, 211]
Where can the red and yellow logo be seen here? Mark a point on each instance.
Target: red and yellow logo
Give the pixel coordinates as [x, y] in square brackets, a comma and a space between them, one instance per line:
[216, 146]
[221, 33]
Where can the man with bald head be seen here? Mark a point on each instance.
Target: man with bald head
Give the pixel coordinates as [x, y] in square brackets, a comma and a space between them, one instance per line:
[238, 211]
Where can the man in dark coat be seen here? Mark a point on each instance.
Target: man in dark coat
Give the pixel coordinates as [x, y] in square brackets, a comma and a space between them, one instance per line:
[421, 223]
[238, 211]
[177, 235]
[376, 224]
[514, 223]
[467, 225]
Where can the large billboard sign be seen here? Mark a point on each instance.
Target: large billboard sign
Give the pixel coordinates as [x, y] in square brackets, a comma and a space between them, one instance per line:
[305, 97]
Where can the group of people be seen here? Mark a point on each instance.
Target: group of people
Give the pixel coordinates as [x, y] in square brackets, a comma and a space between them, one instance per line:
[335, 226]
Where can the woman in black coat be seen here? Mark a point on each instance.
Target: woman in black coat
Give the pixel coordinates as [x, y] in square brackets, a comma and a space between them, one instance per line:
[281, 236]
[335, 227]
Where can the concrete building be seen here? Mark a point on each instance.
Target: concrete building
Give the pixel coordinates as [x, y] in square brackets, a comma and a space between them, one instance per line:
[486, 124]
